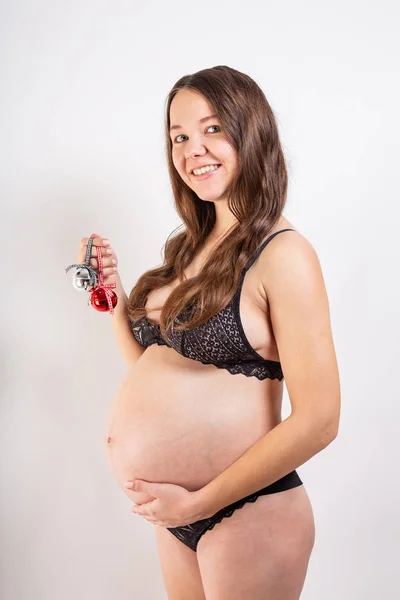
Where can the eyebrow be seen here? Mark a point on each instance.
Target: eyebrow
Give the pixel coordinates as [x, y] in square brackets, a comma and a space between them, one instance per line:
[201, 121]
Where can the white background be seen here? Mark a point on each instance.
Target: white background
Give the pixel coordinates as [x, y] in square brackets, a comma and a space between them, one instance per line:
[83, 87]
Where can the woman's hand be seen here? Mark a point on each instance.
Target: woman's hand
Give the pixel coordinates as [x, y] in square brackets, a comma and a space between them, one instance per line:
[173, 505]
[110, 260]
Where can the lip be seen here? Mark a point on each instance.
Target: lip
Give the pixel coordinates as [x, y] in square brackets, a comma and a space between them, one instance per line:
[204, 175]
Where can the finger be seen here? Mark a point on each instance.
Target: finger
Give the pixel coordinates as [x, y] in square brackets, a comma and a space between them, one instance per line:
[97, 241]
[108, 251]
[151, 519]
[105, 253]
[146, 509]
[107, 262]
[108, 272]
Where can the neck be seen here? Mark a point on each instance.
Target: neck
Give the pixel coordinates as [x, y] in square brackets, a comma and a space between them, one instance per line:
[224, 221]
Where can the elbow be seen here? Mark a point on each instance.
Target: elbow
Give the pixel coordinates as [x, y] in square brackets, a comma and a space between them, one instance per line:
[320, 431]
[328, 433]
[328, 426]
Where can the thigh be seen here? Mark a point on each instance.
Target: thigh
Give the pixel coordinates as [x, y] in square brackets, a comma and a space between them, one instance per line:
[261, 551]
[179, 567]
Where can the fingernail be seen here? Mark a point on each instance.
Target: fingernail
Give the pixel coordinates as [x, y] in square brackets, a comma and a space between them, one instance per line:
[106, 242]
[129, 484]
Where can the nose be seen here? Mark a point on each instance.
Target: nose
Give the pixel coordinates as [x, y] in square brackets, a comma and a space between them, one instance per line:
[194, 150]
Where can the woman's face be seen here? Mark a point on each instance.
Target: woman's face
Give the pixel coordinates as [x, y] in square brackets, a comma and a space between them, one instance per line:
[197, 142]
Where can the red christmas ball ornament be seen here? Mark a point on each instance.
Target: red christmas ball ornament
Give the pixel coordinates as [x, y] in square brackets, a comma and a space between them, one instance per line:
[98, 299]
[102, 298]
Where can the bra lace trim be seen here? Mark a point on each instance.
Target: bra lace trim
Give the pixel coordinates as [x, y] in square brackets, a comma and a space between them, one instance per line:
[147, 333]
[220, 338]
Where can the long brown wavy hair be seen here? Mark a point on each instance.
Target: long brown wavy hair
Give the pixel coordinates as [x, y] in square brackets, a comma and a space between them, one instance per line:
[256, 196]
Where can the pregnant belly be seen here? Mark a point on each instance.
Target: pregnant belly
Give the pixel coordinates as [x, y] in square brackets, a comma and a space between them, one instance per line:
[177, 421]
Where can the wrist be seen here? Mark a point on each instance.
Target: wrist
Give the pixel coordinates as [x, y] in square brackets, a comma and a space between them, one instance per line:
[204, 503]
[120, 309]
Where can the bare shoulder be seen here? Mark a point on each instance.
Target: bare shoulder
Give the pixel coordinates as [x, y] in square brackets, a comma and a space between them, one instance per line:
[289, 256]
[291, 275]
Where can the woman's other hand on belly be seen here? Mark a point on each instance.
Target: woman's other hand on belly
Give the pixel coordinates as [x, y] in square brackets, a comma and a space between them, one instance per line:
[172, 506]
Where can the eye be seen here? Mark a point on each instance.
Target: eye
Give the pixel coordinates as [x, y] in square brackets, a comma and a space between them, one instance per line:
[209, 127]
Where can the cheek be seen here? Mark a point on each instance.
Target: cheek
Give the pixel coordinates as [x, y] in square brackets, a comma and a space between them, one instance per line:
[178, 161]
[235, 163]
[232, 159]
[225, 153]
[180, 167]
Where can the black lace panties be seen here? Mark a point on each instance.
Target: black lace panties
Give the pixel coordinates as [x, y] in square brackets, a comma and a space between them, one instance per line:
[191, 534]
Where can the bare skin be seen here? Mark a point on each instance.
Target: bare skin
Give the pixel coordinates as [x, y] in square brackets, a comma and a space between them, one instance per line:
[166, 426]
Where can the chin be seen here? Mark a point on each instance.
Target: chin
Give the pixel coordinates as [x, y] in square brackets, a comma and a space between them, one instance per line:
[212, 197]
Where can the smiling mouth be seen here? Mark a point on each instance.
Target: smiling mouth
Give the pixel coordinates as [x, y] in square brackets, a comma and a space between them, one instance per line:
[205, 175]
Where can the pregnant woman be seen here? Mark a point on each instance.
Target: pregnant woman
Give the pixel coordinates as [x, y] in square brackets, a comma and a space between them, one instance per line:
[238, 307]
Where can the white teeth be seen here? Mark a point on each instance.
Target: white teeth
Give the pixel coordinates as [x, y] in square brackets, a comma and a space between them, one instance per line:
[205, 169]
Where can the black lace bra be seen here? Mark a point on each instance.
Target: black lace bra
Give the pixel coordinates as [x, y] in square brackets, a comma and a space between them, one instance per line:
[221, 341]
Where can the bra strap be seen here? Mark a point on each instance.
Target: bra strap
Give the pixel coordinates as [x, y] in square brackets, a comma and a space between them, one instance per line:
[256, 254]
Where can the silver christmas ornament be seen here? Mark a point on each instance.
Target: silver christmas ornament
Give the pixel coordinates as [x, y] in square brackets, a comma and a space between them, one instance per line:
[81, 279]
[85, 275]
